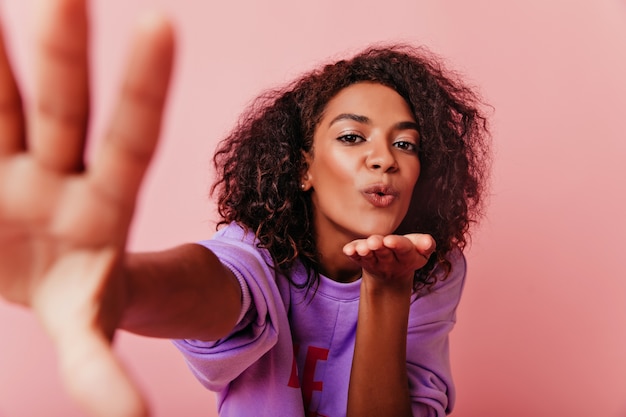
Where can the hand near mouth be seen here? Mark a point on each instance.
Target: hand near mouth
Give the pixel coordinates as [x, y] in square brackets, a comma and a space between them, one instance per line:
[388, 264]
[391, 259]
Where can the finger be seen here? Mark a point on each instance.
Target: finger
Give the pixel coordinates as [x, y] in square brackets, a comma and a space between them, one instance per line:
[369, 245]
[349, 249]
[61, 111]
[11, 111]
[379, 252]
[371, 252]
[424, 244]
[134, 130]
[365, 247]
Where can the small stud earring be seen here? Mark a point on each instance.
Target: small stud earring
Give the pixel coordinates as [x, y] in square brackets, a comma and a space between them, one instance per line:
[303, 186]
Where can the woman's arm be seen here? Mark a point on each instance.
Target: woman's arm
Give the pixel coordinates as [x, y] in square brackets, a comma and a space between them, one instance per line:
[378, 381]
[181, 293]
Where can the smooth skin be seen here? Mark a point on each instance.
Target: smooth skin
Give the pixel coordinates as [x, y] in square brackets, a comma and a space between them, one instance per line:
[378, 381]
[368, 138]
[366, 142]
[64, 224]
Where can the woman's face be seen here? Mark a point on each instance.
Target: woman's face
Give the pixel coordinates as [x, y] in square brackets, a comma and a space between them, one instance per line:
[364, 164]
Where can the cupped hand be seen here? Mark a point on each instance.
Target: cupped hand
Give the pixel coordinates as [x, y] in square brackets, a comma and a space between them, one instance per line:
[64, 221]
[391, 260]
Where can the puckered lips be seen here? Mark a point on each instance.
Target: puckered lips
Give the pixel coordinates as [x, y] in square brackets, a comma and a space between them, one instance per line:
[380, 195]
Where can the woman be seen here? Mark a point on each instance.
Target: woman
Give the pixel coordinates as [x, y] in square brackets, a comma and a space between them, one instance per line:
[346, 200]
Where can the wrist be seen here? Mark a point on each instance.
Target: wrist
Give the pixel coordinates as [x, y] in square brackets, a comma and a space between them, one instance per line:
[390, 287]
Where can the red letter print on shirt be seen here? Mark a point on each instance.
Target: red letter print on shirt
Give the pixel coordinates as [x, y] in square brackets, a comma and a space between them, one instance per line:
[294, 382]
[309, 384]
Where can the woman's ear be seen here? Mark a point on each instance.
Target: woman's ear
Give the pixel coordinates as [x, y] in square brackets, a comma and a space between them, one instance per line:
[306, 177]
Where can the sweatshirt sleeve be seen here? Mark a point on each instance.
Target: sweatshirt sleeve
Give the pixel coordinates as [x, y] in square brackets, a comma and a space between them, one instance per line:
[217, 363]
[432, 317]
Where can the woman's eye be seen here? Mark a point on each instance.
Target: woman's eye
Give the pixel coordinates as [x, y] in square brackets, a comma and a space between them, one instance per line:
[406, 146]
[351, 138]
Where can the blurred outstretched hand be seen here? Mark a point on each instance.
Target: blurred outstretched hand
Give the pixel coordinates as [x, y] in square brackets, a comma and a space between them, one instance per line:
[64, 221]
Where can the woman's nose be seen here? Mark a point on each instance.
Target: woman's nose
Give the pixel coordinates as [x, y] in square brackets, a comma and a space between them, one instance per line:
[381, 157]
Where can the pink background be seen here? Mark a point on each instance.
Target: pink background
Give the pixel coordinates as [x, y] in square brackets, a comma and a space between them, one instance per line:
[542, 325]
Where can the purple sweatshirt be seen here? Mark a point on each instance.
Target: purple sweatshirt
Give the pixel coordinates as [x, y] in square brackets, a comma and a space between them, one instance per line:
[291, 352]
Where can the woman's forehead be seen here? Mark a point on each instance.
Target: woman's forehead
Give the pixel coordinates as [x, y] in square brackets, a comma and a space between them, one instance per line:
[361, 102]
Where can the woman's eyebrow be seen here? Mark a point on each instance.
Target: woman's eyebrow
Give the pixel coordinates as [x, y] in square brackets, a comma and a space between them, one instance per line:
[351, 116]
[406, 125]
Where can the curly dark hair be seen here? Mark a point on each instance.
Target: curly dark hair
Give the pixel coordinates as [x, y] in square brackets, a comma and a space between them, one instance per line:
[261, 162]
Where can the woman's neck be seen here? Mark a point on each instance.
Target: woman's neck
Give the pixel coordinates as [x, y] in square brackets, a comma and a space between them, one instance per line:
[334, 264]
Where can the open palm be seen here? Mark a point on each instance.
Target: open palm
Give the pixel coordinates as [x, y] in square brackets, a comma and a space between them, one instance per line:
[64, 222]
